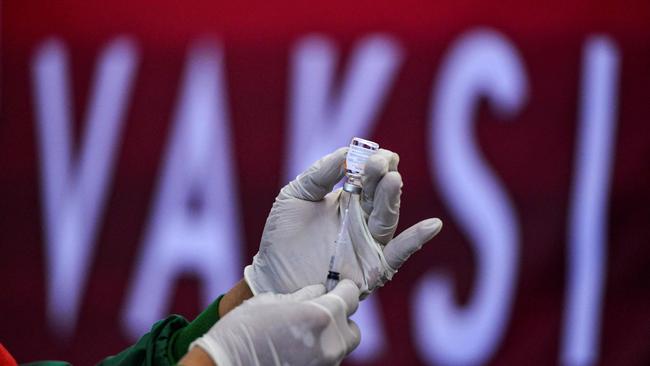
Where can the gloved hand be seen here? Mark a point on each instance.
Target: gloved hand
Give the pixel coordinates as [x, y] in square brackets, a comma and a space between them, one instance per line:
[307, 327]
[301, 230]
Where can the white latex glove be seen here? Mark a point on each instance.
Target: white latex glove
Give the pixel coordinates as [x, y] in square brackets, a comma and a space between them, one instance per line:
[301, 230]
[307, 327]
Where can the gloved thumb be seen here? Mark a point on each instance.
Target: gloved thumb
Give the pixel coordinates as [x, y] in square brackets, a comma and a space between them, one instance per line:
[344, 298]
[319, 179]
[399, 249]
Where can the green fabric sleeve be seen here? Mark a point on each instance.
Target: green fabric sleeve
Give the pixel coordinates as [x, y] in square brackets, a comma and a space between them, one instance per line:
[181, 340]
[167, 341]
[151, 348]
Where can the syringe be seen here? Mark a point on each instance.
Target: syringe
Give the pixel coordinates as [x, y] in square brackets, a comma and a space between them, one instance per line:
[358, 153]
[343, 238]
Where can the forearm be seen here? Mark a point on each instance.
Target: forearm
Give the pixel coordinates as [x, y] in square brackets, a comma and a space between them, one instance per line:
[234, 297]
[196, 357]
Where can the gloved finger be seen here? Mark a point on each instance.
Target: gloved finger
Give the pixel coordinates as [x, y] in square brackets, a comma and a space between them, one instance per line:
[410, 241]
[307, 293]
[319, 179]
[347, 291]
[385, 212]
[353, 337]
[375, 168]
[391, 157]
[345, 296]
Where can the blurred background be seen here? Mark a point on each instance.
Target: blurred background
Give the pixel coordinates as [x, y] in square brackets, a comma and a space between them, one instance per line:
[142, 145]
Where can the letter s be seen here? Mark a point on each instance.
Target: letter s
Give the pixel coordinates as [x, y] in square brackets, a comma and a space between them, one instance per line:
[481, 64]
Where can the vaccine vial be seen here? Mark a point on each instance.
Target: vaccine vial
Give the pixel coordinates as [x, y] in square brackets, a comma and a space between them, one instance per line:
[355, 162]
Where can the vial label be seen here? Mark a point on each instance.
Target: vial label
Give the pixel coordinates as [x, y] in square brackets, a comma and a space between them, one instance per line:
[358, 153]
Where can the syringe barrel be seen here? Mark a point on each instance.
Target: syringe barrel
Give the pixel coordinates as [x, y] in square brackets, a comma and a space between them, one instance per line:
[342, 238]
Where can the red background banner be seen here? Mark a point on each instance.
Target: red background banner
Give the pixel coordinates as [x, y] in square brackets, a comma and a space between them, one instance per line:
[533, 153]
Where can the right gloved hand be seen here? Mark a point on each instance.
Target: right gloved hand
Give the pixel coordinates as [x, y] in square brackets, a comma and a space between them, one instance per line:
[307, 327]
[301, 230]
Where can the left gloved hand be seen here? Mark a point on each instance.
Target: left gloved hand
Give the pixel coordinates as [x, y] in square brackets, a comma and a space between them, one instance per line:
[307, 327]
[301, 230]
